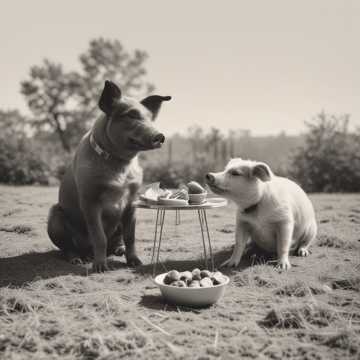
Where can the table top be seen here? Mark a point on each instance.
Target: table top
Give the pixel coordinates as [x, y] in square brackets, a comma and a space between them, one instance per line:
[211, 203]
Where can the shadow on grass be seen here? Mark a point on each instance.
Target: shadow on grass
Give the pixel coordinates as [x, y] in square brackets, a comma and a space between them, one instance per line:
[156, 302]
[22, 269]
[253, 256]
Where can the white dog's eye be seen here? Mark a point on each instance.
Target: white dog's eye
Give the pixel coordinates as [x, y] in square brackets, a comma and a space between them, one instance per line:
[235, 173]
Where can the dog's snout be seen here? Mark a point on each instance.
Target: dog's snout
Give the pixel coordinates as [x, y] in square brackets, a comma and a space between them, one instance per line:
[210, 178]
[158, 139]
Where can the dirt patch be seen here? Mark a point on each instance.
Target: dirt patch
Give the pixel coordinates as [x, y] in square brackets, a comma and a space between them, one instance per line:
[11, 212]
[18, 229]
[325, 240]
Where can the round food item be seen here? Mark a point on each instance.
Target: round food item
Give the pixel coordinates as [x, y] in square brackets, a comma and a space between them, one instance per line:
[218, 278]
[205, 273]
[167, 280]
[178, 283]
[206, 282]
[173, 275]
[196, 274]
[194, 284]
[195, 188]
[186, 276]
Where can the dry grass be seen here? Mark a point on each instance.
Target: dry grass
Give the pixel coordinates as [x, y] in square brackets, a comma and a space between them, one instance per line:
[52, 310]
[300, 316]
[301, 288]
[348, 279]
[334, 242]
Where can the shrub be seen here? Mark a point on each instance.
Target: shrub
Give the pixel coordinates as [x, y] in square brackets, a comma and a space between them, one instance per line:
[175, 174]
[330, 159]
[20, 164]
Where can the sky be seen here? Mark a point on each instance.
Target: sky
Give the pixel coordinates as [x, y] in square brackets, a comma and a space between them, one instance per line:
[266, 66]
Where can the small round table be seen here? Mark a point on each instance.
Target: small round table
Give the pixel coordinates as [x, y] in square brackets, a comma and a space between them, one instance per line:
[211, 203]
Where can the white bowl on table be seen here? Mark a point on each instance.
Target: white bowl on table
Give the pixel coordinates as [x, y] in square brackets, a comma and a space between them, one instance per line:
[197, 199]
[192, 297]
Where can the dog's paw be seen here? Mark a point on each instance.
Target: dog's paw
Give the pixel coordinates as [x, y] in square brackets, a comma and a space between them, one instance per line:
[283, 264]
[100, 266]
[231, 262]
[303, 252]
[75, 261]
[133, 261]
[120, 250]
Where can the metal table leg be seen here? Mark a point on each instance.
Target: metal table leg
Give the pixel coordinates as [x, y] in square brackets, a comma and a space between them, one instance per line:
[161, 224]
[177, 217]
[209, 240]
[155, 235]
[158, 234]
[202, 224]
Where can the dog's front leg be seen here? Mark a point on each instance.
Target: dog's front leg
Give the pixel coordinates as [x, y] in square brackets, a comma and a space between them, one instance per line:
[129, 222]
[97, 236]
[241, 238]
[283, 244]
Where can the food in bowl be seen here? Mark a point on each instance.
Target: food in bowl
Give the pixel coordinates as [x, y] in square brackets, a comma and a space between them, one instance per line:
[204, 278]
[196, 274]
[171, 277]
[203, 288]
[197, 194]
[195, 188]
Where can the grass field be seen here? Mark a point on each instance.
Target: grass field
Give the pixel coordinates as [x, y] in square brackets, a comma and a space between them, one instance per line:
[50, 309]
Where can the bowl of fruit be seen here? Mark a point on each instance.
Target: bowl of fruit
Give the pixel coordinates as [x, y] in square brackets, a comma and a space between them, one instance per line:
[197, 194]
[196, 288]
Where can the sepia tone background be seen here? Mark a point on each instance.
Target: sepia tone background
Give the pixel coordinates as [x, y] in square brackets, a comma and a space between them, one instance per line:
[275, 81]
[272, 81]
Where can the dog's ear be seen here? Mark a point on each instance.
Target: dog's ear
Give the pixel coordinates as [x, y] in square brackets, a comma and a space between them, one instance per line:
[153, 103]
[262, 172]
[109, 97]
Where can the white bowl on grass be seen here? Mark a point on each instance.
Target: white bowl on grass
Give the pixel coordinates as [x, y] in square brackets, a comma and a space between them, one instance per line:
[192, 297]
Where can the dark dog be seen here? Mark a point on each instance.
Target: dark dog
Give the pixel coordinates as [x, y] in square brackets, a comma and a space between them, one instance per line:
[96, 212]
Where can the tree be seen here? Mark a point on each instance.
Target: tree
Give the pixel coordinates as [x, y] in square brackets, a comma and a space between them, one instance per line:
[213, 140]
[12, 124]
[108, 59]
[196, 137]
[65, 103]
[330, 159]
[49, 93]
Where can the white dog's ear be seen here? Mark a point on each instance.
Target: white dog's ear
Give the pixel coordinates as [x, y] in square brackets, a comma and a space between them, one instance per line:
[262, 172]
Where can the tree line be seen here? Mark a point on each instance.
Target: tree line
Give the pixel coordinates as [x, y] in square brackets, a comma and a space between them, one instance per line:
[63, 106]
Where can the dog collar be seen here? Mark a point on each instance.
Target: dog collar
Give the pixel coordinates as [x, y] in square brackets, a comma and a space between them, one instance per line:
[250, 209]
[97, 148]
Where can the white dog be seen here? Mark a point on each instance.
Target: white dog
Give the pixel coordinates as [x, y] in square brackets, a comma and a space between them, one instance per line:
[273, 211]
